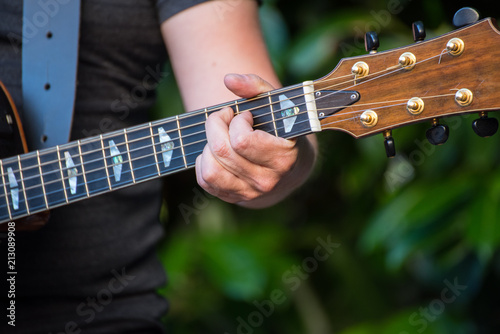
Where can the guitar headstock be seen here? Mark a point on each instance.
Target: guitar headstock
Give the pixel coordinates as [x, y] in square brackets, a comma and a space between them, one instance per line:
[453, 74]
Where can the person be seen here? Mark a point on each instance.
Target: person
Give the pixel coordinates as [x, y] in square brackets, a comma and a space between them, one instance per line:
[93, 267]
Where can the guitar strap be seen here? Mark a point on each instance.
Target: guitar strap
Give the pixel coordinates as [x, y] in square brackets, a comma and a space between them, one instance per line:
[49, 67]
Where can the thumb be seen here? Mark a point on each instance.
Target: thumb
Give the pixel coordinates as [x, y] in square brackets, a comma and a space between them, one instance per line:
[246, 85]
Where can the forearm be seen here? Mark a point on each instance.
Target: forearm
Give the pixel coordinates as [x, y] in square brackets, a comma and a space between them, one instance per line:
[205, 44]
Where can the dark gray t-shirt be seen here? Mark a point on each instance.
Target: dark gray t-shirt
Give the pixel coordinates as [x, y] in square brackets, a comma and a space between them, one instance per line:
[93, 266]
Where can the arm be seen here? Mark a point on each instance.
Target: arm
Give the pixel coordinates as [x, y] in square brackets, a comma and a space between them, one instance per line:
[239, 165]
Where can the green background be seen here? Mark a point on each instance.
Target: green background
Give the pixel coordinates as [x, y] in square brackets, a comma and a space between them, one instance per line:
[416, 238]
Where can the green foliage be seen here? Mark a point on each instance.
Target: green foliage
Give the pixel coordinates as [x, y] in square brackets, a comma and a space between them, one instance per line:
[407, 228]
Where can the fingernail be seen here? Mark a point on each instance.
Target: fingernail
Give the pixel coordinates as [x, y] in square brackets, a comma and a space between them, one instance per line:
[237, 76]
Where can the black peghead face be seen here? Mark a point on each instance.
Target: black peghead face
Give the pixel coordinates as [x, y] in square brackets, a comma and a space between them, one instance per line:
[465, 16]
[418, 31]
[371, 42]
[438, 134]
[485, 126]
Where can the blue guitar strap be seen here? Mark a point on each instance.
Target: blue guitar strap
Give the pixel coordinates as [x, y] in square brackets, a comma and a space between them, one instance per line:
[49, 67]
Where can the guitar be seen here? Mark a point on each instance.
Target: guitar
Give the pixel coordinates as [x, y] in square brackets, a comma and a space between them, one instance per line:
[453, 74]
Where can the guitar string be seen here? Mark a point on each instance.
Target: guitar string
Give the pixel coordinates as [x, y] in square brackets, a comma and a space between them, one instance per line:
[100, 159]
[233, 103]
[87, 152]
[149, 137]
[144, 178]
[205, 111]
[42, 207]
[126, 152]
[190, 143]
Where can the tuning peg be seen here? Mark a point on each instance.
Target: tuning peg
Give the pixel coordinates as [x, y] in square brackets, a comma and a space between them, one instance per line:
[465, 16]
[390, 147]
[485, 126]
[418, 31]
[438, 134]
[371, 42]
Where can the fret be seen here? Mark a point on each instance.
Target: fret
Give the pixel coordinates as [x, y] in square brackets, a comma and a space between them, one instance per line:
[53, 177]
[167, 146]
[154, 148]
[181, 141]
[237, 106]
[103, 151]
[41, 179]
[94, 166]
[6, 197]
[142, 152]
[290, 112]
[128, 152]
[32, 182]
[117, 159]
[217, 108]
[60, 169]
[23, 186]
[86, 184]
[16, 193]
[272, 113]
[194, 139]
[206, 113]
[262, 113]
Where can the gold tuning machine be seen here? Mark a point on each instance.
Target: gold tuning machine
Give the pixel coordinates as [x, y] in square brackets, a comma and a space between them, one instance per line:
[415, 106]
[455, 46]
[369, 118]
[464, 97]
[407, 60]
[360, 69]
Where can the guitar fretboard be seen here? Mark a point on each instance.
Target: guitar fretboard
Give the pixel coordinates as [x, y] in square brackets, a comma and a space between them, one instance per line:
[48, 178]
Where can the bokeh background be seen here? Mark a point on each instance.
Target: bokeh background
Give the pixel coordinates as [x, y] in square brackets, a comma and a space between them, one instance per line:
[413, 240]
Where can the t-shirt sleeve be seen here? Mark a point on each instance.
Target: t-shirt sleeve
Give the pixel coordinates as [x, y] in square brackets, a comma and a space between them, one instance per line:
[168, 8]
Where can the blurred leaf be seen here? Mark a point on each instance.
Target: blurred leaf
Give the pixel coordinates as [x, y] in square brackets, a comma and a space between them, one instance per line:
[177, 257]
[314, 49]
[411, 321]
[413, 216]
[234, 268]
[275, 33]
[483, 230]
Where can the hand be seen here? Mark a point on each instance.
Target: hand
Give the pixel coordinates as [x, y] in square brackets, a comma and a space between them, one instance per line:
[246, 166]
